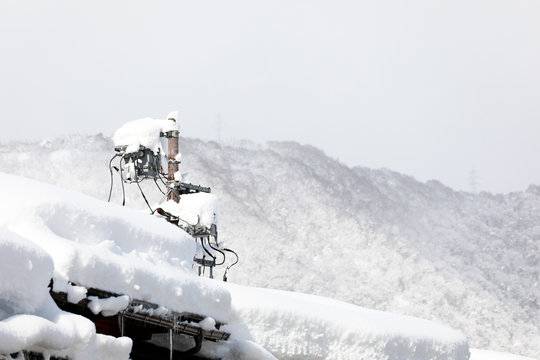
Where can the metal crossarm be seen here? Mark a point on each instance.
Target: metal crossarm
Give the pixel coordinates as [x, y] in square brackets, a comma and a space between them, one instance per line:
[188, 188]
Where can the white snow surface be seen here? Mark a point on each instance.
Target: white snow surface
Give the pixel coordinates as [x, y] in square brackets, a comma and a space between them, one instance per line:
[144, 132]
[202, 208]
[29, 318]
[109, 306]
[26, 269]
[208, 324]
[74, 293]
[299, 326]
[477, 354]
[247, 350]
[103, 245]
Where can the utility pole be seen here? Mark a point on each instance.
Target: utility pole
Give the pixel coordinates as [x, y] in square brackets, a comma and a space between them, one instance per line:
[172, 137]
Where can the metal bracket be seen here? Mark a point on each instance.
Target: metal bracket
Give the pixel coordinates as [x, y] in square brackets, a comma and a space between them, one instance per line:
[170, 134]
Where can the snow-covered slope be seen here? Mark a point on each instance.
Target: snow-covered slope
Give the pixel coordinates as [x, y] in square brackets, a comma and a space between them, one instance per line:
[299, 326]
[90, 240]
[46, 231]
[477, 354]
[302, 221]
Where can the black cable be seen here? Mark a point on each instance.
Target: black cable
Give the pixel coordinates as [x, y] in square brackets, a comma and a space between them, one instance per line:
[156, 163]
[161, 176]
[122, 182]
[218, 250]
[144, 197]
[235, 254]
[206, 250]
[230, 266]
[203, 266]
[165, 174]
[110, 169]
[155, 181]
[184, 221]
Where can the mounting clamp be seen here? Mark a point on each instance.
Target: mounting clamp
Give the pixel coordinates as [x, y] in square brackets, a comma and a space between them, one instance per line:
[170, 134]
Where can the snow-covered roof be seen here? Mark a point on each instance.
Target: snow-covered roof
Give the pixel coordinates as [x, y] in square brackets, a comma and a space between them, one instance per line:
[30, 320]
[299, 326]
[106, 246]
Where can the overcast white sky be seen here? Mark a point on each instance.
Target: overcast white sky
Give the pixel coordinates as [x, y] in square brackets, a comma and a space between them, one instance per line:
[428, 88]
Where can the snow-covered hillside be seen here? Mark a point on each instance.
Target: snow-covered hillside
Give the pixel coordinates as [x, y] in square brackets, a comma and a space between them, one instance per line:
[302, 221]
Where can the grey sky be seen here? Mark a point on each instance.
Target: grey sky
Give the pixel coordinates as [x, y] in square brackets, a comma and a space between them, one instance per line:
[428, 88]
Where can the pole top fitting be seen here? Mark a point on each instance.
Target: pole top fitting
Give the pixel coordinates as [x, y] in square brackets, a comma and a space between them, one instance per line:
[170, 134]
